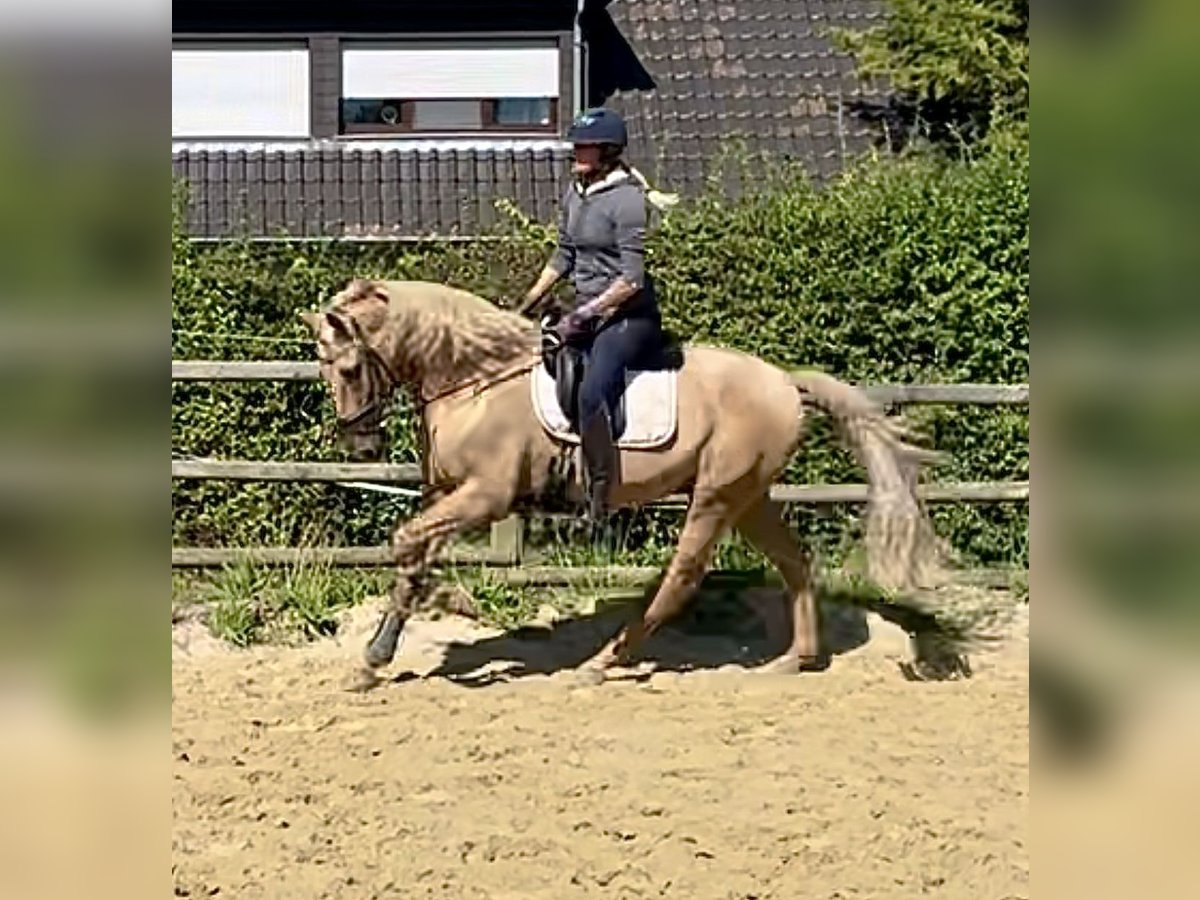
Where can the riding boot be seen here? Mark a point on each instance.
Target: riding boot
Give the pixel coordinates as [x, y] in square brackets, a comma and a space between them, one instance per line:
[600, 464]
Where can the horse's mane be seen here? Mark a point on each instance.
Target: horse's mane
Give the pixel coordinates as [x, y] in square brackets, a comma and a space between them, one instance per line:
[441, 333]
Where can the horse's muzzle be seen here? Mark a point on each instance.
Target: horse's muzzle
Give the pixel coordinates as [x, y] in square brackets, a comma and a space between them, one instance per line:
[364, 447]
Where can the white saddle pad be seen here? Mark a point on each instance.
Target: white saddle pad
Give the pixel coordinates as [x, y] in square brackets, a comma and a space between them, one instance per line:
[649, 405]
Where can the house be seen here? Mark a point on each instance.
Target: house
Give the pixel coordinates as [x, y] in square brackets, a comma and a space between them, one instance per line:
[394, 117]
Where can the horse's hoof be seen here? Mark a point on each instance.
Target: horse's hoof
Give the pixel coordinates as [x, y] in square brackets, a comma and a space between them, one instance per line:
[363, 680]
[387, 639]
[589, 676]
[818, 663]
[794, 665]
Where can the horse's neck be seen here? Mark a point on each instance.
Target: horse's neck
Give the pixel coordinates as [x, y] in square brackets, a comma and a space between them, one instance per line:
[442, 352]
[465, 365]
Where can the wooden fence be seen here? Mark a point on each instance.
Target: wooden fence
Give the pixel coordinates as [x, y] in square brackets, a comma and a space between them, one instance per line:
[507, 537]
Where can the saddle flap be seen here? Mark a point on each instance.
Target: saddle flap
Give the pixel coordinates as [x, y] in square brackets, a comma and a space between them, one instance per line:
[568, 375]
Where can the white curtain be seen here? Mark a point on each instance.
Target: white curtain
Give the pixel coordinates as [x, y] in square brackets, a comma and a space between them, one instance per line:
[245, 93]
[447, 73]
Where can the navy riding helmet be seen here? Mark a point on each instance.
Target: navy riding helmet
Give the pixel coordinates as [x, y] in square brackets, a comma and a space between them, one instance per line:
[598, 126]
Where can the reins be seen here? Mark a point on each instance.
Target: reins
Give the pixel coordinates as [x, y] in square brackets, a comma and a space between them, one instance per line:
[480, 383]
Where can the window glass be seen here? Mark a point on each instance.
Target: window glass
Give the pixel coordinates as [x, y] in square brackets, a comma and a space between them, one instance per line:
[523, 111]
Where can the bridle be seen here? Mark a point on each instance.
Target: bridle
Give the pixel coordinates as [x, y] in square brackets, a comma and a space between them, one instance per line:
[381, 384]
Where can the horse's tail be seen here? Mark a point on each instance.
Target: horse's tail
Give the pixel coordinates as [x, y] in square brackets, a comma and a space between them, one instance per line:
[902, 549]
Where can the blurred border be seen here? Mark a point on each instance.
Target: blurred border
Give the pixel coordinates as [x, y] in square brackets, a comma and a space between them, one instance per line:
[1116, 514]
[84, 444]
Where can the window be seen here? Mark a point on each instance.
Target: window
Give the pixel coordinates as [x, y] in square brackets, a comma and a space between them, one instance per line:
[449, 88]
[239, 91]
[509, 112]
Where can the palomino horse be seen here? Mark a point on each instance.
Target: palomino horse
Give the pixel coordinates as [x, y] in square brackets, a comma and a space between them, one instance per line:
[740, 420]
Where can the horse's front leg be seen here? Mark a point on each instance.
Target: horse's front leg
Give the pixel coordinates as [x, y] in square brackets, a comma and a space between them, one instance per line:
[415, 544]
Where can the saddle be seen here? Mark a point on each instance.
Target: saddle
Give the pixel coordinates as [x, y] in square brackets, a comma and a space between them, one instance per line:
[646, 415]
[566, 364]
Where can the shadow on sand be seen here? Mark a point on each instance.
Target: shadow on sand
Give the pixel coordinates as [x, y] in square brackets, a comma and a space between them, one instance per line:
[743, 628]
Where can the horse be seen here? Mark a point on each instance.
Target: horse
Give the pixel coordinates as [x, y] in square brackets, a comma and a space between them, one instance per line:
[468, 364]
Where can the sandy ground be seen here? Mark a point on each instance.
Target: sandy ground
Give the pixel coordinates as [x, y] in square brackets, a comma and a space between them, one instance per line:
[501, 776]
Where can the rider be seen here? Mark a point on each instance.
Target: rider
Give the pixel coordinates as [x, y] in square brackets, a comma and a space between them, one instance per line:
[601, 237]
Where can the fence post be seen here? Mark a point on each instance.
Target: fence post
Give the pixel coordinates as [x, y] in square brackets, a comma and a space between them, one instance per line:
[508, 539]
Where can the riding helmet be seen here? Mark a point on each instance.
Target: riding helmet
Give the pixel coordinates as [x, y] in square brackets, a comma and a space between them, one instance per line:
[598, 126]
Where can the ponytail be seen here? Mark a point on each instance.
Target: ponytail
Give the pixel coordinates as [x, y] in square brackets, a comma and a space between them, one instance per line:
[660, 201]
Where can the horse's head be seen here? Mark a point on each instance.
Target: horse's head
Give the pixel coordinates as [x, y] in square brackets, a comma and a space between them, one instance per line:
[359, 378]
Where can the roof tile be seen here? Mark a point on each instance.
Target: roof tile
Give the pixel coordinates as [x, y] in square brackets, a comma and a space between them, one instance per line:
[761, 69]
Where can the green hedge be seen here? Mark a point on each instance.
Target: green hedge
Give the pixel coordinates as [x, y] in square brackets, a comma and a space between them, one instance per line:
[902, 270]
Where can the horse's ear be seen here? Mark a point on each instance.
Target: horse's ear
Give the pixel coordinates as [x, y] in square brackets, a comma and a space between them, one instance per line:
[312, 320]
[341, 327]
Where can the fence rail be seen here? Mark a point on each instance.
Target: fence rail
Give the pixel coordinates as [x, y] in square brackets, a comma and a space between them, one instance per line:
[371, 557]
[531, 574]
[972, 394]
[507, 537]
[410, 473]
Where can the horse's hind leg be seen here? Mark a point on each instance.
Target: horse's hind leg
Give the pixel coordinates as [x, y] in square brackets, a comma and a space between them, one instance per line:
[763, 526]
[708, 516]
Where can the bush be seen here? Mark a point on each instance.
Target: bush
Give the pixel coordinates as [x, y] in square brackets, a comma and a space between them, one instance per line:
[957, 67]
[903, 270]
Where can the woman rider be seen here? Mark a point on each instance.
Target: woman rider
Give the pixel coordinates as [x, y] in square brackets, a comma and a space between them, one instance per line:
[601, 244]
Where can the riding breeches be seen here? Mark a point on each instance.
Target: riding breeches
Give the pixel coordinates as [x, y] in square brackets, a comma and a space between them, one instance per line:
[625, 344]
